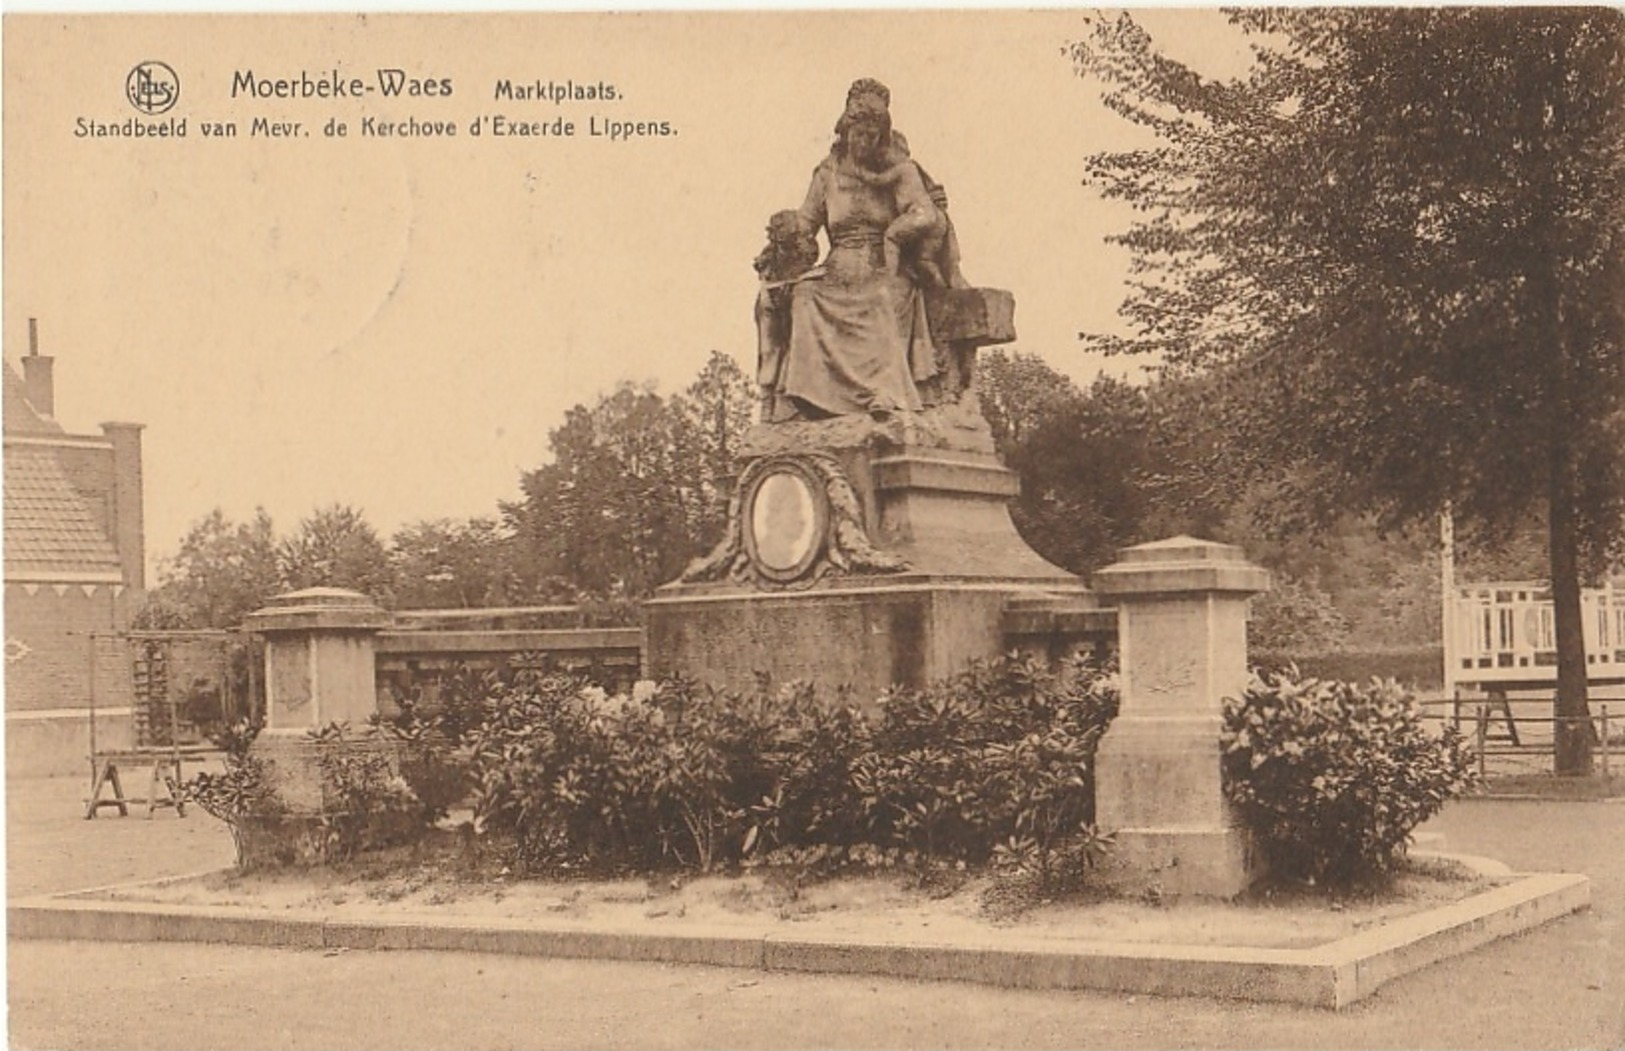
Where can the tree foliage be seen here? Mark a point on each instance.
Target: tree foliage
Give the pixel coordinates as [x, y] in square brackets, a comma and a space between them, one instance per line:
[638, 486]
[336, 547]
[449, 564]
[225, 570]
[712, 415]
[1400, 239]
[1107, 466]
[222, 571]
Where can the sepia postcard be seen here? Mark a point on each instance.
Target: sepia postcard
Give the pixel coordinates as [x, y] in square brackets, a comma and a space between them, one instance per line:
[355, 357]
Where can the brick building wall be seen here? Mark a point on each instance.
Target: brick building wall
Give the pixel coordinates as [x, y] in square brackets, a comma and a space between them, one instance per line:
[48, 645]
[50, 675]
[75, 553]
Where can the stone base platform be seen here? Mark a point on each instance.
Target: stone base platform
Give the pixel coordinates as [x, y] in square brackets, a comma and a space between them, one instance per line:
[866, 634]
[1333, 975]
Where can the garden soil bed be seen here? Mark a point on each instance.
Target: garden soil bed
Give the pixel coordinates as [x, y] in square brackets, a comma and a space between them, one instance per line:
[442, 885]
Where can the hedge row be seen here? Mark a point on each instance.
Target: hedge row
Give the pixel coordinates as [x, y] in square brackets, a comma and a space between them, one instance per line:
[995, 764]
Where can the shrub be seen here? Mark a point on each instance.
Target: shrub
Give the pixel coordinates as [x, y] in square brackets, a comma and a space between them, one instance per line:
[1030, 874]
[240, 794]
[1001, 752]
[366, 805]
[678, 775]
[1418, 667]
[811, 799]
[430, 761]
[575, 775]
[1333, 777]
[1296, 615]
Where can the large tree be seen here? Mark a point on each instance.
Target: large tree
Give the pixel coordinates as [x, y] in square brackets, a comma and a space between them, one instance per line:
[1084, 457]
[222, 571]
[335, 546]
[637, 487]
[711, 416]
[1114, 464]
[447, 564]
[1402, 236]
[604, 514]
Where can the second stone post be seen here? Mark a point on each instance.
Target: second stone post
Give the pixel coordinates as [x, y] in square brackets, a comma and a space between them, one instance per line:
[319, 669]
[1182, 639]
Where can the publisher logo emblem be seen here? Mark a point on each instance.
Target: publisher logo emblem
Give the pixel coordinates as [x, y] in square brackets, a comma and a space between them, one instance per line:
[152, 88]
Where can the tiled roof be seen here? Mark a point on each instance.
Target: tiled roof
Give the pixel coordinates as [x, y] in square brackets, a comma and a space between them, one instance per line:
[20, 416]
[48, 527]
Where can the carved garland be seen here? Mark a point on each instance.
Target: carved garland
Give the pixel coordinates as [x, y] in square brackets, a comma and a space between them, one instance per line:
[844, 548]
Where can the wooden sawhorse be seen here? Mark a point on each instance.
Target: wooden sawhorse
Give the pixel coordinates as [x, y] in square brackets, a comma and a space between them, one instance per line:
[166, 771]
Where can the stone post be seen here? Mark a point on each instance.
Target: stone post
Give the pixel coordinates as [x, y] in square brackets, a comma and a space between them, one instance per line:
[319, 669]
[1182, 640]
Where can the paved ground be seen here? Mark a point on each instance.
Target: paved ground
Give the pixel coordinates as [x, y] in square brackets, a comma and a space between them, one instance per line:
[1561, 986]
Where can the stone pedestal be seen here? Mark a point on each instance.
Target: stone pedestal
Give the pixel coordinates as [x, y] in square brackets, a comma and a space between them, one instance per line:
[1182, 637]
[319, 669]
[861, 552]
[860, 562]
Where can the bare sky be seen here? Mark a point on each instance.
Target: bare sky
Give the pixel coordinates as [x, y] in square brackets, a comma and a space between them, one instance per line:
[398, 323]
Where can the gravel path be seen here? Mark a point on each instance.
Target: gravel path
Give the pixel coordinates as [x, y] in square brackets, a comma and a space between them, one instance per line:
[1562, 986]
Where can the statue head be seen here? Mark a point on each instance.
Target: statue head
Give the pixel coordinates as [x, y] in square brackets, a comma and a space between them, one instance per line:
[865, 125]
[791, 248]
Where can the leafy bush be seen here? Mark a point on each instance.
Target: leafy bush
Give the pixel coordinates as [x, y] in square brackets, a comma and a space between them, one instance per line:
[1296, 615]
[810, 799]
[240, 794]
[1030, 874]
[1418, 667]
[677, 775]
[999, 753]
[568, 776]
[430, 762]
[1333, 777]
[366, 805]
[577, 776]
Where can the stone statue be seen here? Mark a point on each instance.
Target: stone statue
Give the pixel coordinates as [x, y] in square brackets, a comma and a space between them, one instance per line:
[851, 335]
[866, 365]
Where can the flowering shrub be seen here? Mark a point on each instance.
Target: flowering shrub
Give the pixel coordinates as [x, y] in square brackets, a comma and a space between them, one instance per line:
[1333, 777]
[675, 774]
[366, 805]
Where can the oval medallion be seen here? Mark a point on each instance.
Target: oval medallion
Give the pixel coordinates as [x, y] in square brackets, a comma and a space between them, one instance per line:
[784, 522]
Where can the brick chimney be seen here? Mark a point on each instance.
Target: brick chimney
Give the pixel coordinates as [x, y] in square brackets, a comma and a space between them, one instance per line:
[129, 530]
[38, 379]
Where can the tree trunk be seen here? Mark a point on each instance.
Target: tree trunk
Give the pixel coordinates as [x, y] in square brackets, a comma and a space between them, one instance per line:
[1571, 713]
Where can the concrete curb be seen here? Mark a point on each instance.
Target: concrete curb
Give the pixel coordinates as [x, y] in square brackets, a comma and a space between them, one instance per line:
[1536, 797]
[1333, 975]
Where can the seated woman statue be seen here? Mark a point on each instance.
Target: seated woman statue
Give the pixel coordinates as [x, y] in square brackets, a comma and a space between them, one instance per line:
[856, 339]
